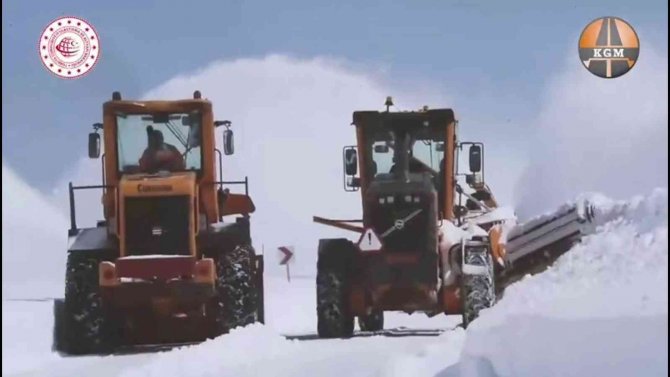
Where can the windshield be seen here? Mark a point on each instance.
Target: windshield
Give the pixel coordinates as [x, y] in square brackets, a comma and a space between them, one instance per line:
[425, 151]
[149, 143]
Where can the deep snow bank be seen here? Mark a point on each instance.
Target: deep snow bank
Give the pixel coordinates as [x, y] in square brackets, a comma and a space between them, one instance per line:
[602, 309]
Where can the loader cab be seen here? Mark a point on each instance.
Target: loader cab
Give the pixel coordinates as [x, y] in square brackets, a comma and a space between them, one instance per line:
[163, 148]
[147, 137]
[152, 140]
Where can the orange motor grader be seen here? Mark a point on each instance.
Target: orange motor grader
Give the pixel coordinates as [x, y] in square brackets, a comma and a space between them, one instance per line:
[163, 266]
[421, 247]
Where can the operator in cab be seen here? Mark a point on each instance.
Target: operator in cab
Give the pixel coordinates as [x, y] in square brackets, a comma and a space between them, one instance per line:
[160, 155]
[415, 165]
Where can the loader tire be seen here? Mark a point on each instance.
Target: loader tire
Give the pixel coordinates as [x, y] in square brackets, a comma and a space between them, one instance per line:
[478, 291]
[235, 303]
[372, 322]
[332, 288]
[86, 328]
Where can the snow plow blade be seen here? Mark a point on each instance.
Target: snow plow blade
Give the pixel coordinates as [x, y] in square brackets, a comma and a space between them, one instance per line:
[535, 245]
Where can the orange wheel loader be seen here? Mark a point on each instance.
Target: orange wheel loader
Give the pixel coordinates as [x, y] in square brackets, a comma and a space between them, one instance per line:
[172, 261]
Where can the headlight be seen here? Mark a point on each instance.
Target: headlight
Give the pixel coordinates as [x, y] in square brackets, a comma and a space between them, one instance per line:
[412, 198]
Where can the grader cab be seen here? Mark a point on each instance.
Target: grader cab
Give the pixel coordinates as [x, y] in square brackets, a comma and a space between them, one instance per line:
[431, 234]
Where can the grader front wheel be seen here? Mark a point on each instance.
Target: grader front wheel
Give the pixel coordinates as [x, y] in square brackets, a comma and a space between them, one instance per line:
[477, 289]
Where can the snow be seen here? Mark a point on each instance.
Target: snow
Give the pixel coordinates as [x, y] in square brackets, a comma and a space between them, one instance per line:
[451, 234]
[580, 204]
[607, 136]
[241, 351]
[33, 243]
[26, 336]
[291, 309]
[501, 214]
[258, 350]
[602, 309]
[255, 350]
[428, 360]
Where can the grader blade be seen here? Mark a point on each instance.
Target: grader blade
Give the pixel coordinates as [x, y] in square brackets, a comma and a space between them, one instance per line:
[535, 245]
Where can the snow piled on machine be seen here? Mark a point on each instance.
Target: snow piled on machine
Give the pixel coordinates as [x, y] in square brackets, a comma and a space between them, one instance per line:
[601, 309]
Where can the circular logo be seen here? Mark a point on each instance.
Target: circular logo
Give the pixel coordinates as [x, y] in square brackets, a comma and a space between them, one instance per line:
[609, 47]
[399, 224]
[69, 47]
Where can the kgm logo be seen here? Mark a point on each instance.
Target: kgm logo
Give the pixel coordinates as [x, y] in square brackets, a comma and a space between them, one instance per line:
[609, 47]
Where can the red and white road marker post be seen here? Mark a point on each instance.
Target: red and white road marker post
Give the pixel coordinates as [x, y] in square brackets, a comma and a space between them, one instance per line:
[285, 258]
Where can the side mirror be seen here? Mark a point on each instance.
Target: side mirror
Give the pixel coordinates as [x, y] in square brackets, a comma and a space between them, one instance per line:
[93, 145]
[228, 144]
[475, 158]
[350, 161]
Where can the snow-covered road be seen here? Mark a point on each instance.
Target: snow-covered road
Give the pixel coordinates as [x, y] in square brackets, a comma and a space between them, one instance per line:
[253, 351]
[602, 309]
